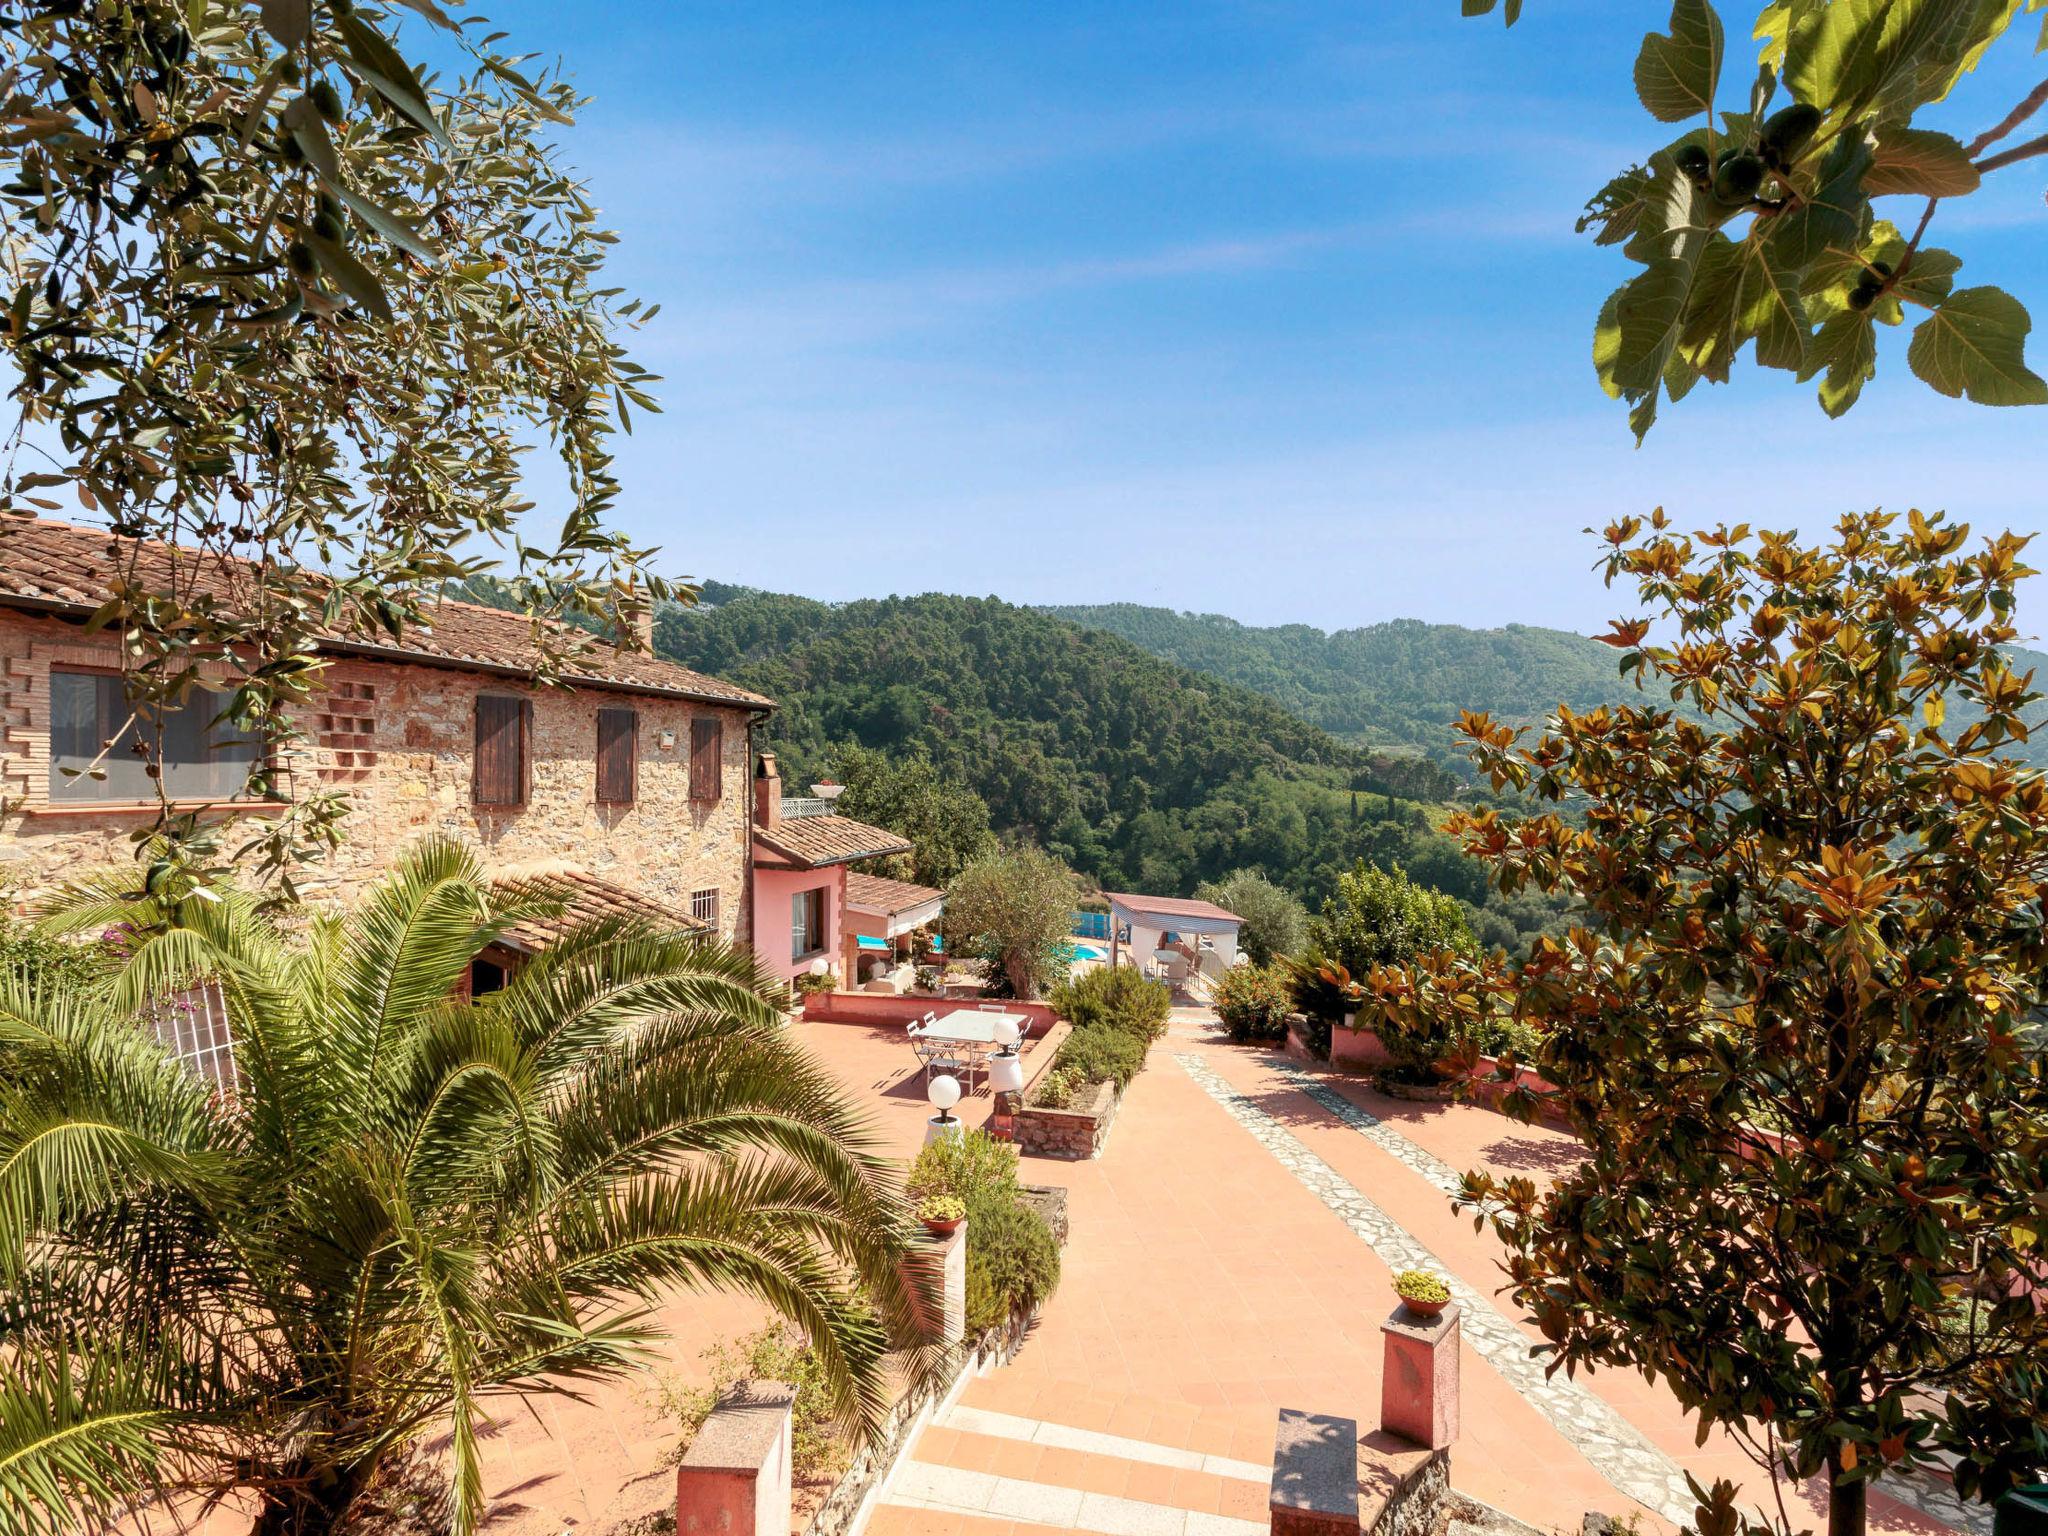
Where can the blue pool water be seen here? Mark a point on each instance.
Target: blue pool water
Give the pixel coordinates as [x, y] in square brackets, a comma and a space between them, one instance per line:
[1077, 950]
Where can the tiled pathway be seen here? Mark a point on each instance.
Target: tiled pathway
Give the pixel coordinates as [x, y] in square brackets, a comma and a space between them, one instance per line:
[1216, 1274]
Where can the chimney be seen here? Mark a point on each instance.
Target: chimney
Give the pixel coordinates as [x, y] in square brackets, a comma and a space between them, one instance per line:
[767, 792]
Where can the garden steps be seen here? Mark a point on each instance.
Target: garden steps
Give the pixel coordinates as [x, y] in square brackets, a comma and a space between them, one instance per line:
[1080, 1459]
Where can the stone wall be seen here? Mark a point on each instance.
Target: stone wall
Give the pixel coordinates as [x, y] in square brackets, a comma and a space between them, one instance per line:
[1074, 1133]
[400, 740]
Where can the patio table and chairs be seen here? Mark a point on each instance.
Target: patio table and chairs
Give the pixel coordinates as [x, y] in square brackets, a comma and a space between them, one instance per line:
[960, 1043]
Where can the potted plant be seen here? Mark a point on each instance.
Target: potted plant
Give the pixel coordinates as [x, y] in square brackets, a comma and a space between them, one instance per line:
[941, 1214]
[1421, 1292]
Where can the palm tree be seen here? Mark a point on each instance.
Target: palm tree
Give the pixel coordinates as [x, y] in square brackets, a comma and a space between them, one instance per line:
[409, 1202]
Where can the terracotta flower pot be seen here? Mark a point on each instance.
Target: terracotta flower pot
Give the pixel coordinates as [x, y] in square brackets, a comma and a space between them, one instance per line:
[943, 1228]
[1424, 1308]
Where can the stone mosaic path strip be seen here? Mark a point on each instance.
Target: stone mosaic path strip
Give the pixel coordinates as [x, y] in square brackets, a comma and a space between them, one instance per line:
[1929, 1495]
[1612, 1444]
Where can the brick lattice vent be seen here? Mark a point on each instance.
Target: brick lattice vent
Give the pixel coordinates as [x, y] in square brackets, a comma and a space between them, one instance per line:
[348, 733]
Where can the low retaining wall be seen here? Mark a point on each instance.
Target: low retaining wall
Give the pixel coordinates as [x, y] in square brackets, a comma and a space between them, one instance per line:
[1074, 1133]
[1361, 1050]
[906, 1008]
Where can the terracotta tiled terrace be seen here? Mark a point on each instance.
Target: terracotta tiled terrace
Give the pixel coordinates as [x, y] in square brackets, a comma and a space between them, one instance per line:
[1216, 1273]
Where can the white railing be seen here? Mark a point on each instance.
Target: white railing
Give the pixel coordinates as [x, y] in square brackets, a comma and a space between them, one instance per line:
[795, 806]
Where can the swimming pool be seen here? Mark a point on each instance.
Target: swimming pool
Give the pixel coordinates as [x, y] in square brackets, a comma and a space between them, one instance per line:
[1079, 950]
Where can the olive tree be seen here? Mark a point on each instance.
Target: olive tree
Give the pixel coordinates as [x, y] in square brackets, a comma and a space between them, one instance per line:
[1757, 223]
[1012, 910]
[1790, 1025]
[274, 295]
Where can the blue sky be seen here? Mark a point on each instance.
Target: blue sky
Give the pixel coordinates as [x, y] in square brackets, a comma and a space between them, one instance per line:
[1267, 309]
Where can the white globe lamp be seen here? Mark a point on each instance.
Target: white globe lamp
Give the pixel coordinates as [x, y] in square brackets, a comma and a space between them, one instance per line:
[944, 1093]
[1006, 1068]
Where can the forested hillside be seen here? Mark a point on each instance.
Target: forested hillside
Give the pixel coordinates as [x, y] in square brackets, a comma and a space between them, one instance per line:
[1138, 772]
[1396, 684]
[1402, 683]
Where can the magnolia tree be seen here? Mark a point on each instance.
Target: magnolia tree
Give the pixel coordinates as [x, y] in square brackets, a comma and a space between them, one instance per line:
[271, 294]
[1757, 223]
[1790, 1028]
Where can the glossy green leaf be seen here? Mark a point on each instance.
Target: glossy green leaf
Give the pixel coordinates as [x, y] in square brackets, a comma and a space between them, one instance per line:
[1974, 346]
[1677, 72]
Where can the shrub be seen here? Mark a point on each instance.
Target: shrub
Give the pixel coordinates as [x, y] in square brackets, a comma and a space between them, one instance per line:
[1102, 1055]
[1121, 999]
[808, 985]
[1253, 1002]
[941, 1208]
[817, 1445]
[1060, 1087]
[1420, 1285]
[964, 1166]
[1013, 1262]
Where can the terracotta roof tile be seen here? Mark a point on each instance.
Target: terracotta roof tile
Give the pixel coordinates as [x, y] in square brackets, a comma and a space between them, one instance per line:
[587, 899]
[64, 568]
[814, 841]
[872, 893]
[1172, 906]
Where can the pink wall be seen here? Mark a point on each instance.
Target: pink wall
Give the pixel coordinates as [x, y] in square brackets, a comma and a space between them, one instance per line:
[894, 1008]
[773, 892]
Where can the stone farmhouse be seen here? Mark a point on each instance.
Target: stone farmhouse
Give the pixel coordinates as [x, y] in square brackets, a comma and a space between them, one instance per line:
[628, 780]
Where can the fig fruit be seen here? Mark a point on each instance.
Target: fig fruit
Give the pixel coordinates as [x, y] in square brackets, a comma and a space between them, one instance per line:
[1692, 160]
[1863, 295]
[1738, 178]
[1789, 130]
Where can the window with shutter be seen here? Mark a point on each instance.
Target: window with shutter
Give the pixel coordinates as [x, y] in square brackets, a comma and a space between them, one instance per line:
[707, 755]
[503, 756]
[618, 755]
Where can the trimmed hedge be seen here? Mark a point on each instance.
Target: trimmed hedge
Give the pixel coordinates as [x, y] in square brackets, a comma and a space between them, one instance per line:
[1120, 999]
[1013, 1260]
[1101, 1055]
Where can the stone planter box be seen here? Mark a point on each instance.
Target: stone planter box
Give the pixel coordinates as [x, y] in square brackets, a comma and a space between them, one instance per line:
[1074, 1133]
[1357, 1050]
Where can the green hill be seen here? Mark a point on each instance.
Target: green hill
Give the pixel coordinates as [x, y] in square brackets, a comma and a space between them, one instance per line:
[1399, 684]
[1402, 684]
[1141, 773]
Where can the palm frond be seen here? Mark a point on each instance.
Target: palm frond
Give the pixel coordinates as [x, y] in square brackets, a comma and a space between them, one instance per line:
[82, 1433]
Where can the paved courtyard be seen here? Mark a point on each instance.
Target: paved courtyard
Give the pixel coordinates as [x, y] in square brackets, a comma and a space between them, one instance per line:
[1231, 1255]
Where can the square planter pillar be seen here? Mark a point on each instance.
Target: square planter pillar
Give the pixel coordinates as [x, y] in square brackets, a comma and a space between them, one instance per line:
[936, 1268]
[1419, 1383]
[735, 1476]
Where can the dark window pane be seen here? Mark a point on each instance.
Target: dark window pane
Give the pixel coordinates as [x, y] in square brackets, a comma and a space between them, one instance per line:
[202, 756]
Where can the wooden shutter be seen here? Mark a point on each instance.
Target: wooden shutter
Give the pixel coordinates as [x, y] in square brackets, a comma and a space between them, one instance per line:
[503, 758]
[707, 759]
[618, 755]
